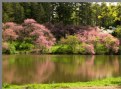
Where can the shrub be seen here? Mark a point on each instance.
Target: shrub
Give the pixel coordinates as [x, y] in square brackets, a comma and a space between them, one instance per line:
[80, 48]
[120, 49]
[101, 49]
[89, 48]
[95, 36]
[8, 48]
[25, 46]
[12, 49]
[71, 41]
[54, 49]
[5, 47]
[91, 41]
[9, 35]
[40, 35]
[117, 32]
[30, 32]
[62, 49]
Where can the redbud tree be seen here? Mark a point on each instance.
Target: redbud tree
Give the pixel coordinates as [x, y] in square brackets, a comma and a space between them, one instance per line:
[94, 36]
[29, 32]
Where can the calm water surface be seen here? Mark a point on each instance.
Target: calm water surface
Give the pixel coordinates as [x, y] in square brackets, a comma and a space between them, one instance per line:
[25, 69]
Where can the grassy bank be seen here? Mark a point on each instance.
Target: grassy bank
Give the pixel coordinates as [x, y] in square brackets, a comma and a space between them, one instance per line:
[103, 82]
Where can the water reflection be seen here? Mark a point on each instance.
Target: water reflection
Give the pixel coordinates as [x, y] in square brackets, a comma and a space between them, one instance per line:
[23, 69]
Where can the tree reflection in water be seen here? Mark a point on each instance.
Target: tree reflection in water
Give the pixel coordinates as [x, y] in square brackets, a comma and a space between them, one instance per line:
[24, 69]
[91, 70]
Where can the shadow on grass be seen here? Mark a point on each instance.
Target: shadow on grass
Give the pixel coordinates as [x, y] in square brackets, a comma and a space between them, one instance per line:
[118, 83]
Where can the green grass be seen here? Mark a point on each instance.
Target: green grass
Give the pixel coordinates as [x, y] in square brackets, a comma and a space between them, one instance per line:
[103, 82]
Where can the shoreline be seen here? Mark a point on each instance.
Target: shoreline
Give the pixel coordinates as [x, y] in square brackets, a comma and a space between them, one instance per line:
[108, 82]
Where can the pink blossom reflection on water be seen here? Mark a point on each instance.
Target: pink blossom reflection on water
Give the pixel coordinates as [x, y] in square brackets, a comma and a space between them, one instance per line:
[26, 69]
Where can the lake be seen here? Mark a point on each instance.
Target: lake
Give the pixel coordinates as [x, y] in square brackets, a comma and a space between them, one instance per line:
[27, 69]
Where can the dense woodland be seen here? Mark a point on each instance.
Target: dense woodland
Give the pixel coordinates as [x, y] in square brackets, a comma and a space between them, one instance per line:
[61, 27]
[83, 13]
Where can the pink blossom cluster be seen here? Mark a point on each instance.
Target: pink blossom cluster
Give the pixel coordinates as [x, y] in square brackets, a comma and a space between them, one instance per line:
[90, 48]
[8, 31]
[29, 21]
[93, 35]
[30, 29]
[42, 35]
[9, 34]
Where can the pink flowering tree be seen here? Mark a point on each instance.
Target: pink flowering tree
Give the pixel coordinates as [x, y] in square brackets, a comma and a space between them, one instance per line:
[38, 34]
[91, 40]
[8, 32]
[95, 38]
[27, 34]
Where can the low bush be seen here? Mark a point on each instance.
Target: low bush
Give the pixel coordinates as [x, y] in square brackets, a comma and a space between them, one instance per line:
[117, 32]
[61, 49]
[24, 46]
[8, 48]
[89, 41]
[69, 44]
[101, 49]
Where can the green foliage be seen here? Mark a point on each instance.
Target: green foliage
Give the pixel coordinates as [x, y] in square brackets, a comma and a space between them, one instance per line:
[101, 49]
[37, 11]
[61, 49]
[117, 32]
[84, 13]
[13, 47]
[96, 83]
[81, 49]
[119, 49]
[10, 48]
[18, 13]
[5, 85]
[25, 46]
[54, 49]
[78, 13]
[64, 12]
[7, 12]
[72, 42]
